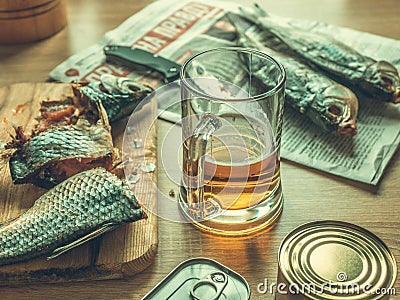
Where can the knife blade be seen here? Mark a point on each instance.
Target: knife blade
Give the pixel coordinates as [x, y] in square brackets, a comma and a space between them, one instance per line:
[134, 58]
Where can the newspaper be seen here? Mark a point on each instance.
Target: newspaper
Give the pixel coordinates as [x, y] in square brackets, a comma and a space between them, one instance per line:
[178, 29]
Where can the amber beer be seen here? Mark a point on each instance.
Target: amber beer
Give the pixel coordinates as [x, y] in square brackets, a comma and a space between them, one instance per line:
[241, 168]
[242, 186]
[232, 110]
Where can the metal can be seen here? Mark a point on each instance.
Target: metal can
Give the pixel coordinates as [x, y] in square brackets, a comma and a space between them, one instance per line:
[201, 279]
[334, 260]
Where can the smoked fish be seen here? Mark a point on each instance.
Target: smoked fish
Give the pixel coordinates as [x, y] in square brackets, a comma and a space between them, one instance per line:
[79, 209]
[379, 79]
[118, 95]
[328, 104]
[72, 135]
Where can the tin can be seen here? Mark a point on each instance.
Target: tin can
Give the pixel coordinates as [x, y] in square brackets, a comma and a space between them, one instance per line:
[334, 260]
[201, 279]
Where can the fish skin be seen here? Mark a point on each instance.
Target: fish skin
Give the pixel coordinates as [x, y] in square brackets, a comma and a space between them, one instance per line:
[376, 78]
[73, 134]
[118, 95]
[329, 105]
[34, 161]
[73, 209]
[307, 91]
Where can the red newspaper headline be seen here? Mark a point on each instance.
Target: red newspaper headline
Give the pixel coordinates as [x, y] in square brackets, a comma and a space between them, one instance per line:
[163, 34]
[173, 27]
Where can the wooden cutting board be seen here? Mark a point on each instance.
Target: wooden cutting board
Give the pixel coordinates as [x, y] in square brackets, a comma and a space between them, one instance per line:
[123, 252]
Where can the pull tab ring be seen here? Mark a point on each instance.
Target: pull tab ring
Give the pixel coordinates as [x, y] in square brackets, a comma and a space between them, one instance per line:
[214, 282]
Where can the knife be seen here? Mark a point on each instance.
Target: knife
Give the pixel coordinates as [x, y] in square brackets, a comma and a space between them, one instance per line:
[136, 58]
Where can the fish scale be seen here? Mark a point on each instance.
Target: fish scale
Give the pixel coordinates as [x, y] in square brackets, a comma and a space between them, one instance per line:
[118, 95]
[307, 91]
[76, 141]
[73, 133]
[380, 79]
[73, 209]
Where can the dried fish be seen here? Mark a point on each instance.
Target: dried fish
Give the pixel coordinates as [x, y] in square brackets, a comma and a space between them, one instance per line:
[72, 135]
[118, 95]
[377, 78]
[328, 104]
[77, 210]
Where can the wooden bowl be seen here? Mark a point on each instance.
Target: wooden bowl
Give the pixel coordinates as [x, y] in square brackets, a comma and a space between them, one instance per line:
[23, 21]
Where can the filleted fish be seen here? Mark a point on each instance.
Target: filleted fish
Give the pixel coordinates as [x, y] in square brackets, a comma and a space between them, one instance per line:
[73, 133]
[377, 78]
[77, 210]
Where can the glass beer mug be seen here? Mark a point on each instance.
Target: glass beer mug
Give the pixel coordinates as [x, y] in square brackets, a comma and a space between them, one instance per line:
[232, 106]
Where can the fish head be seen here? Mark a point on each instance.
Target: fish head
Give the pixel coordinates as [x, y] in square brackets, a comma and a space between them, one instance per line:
[386, 77]
[119, 96]
[120, 86]
[337, 109]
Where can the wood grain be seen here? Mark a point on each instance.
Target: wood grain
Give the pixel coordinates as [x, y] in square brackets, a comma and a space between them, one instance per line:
[23, 21]
[309, 195]
[124, 252]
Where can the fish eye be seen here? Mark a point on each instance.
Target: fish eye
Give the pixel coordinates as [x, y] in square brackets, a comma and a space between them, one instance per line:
[334, 110]
[387, 83]
[133, 88]
[102, 88]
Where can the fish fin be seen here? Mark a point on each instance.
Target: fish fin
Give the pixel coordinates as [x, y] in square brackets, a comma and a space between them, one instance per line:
[60, 250]
[260, 11]
[253, 13]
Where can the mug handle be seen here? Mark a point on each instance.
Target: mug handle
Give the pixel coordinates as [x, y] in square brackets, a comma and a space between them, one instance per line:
[209, 123]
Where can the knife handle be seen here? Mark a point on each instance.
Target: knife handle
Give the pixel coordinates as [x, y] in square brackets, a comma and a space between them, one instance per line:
[132, 57]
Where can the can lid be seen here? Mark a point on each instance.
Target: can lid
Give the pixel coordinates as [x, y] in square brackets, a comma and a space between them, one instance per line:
[336, 260]
[198, 279]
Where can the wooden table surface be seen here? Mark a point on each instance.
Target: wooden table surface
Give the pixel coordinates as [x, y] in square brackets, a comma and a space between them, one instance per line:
[309, 195]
